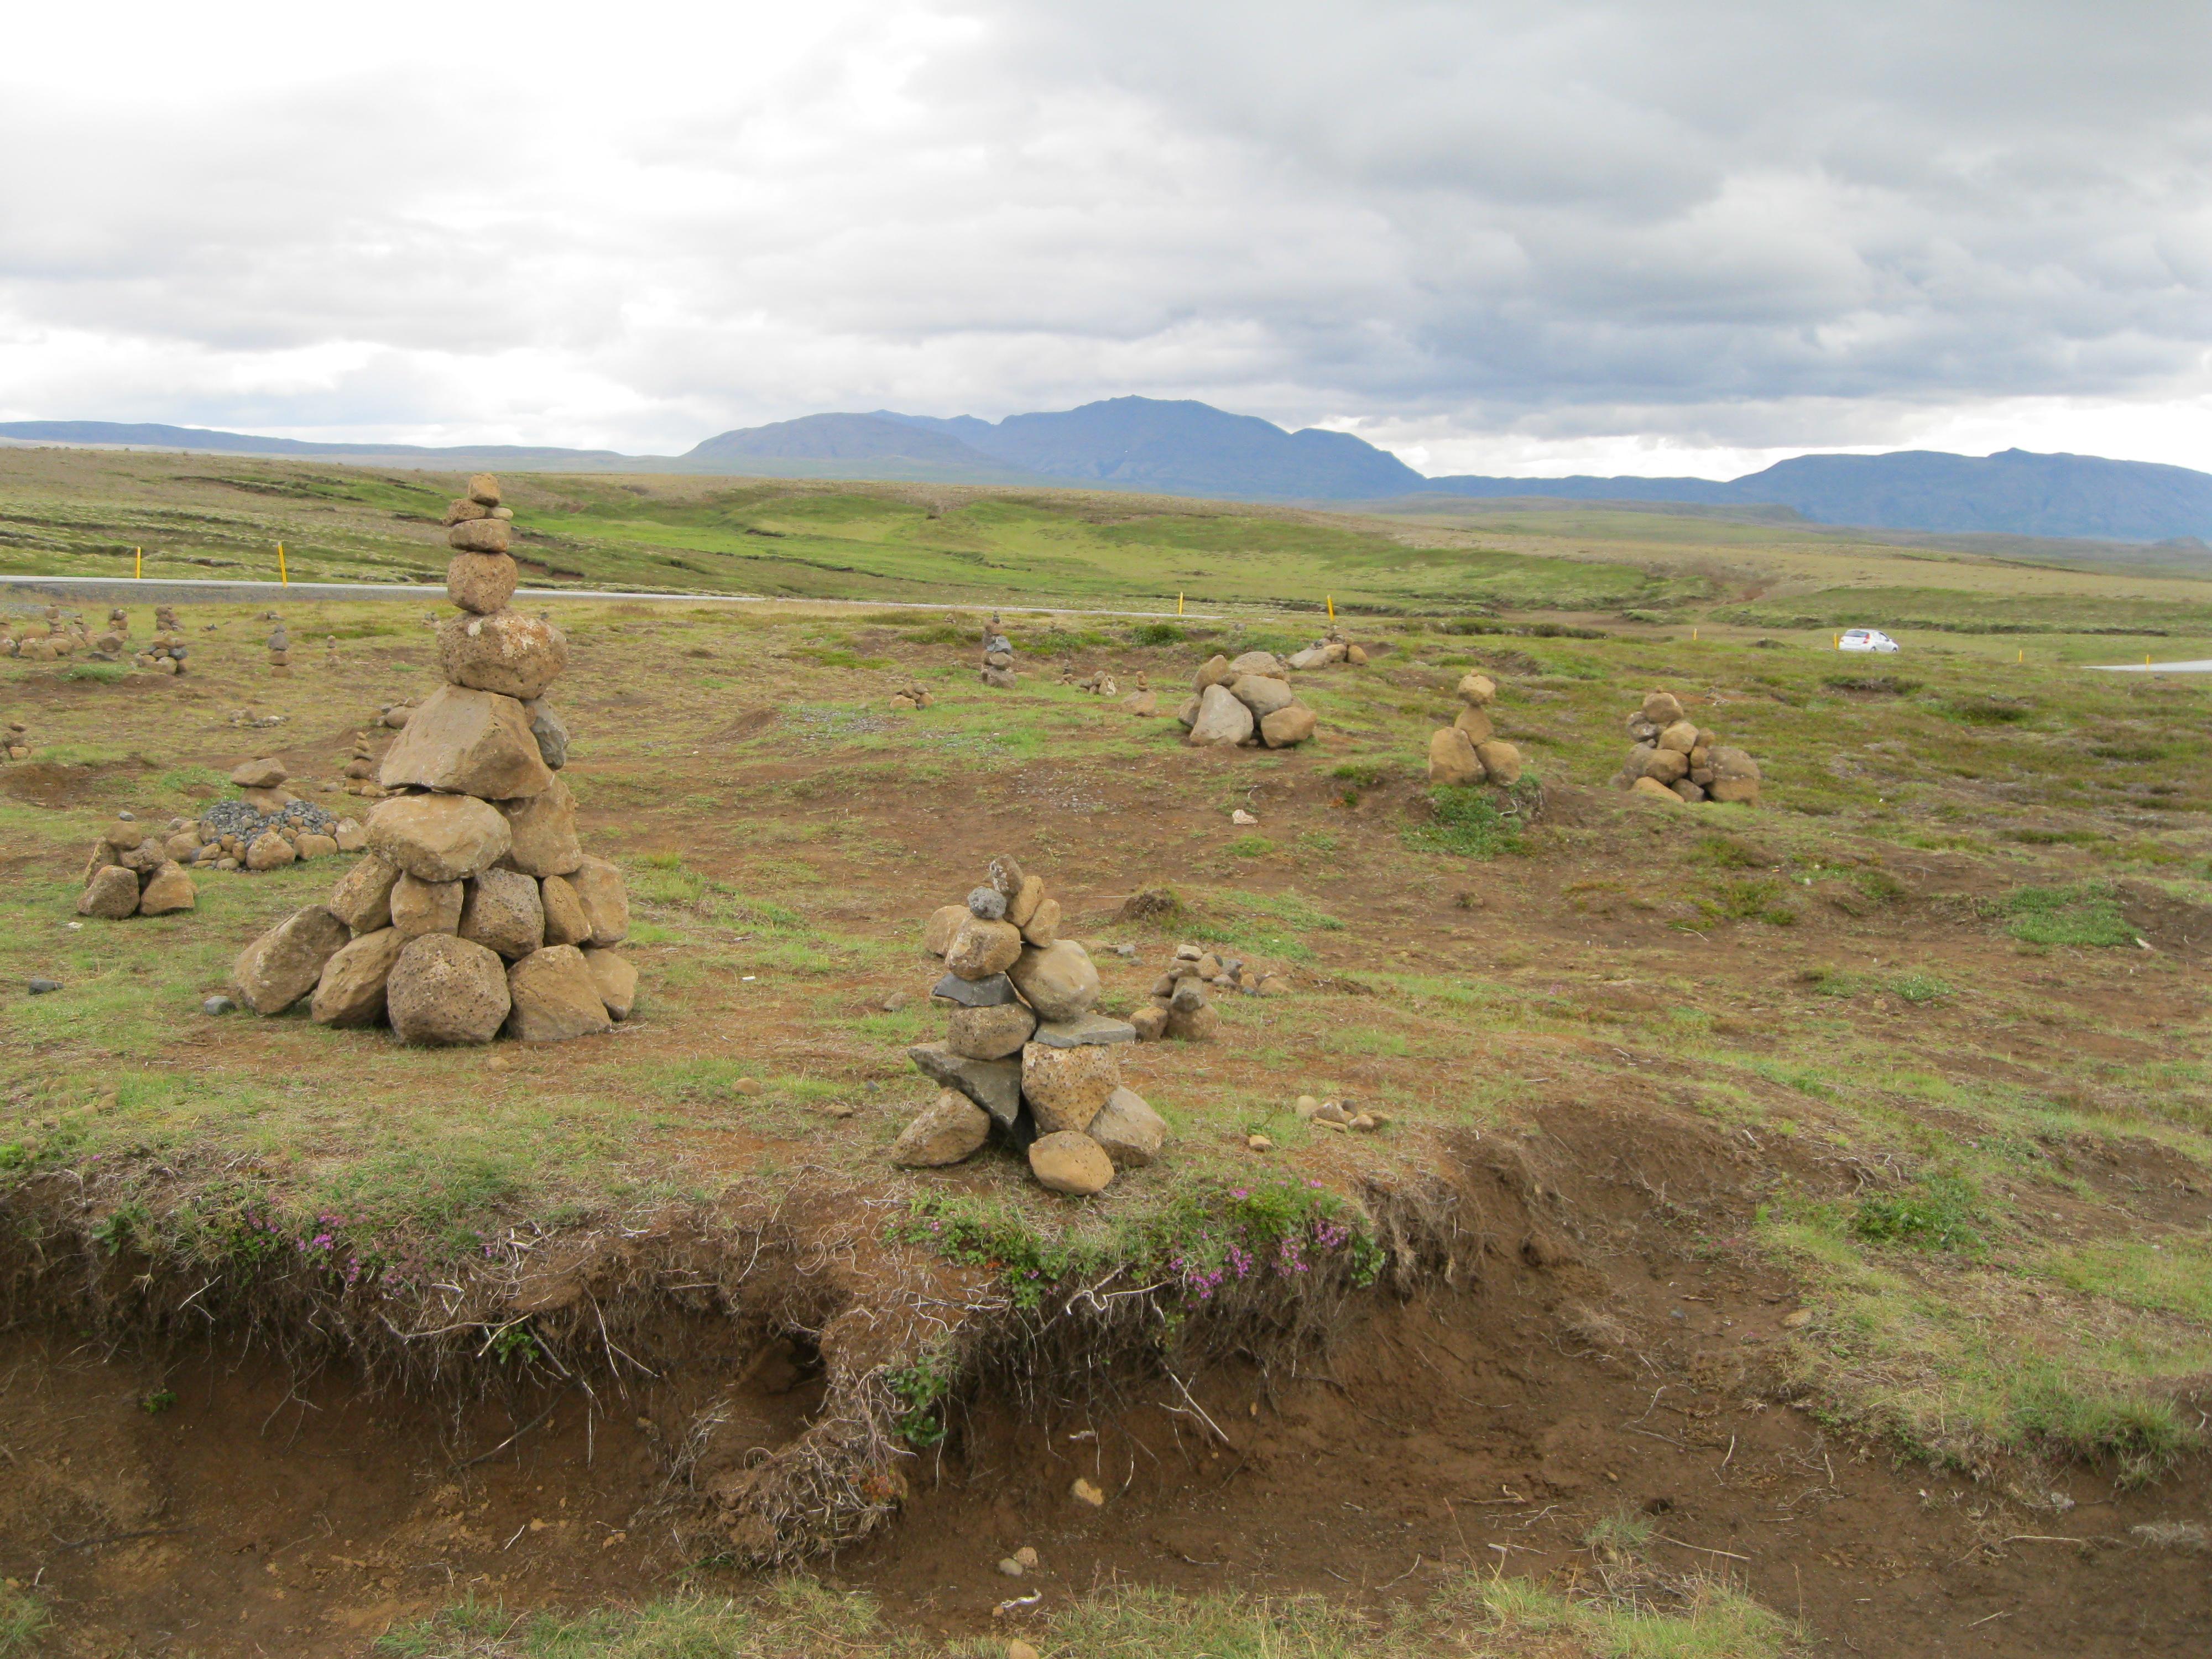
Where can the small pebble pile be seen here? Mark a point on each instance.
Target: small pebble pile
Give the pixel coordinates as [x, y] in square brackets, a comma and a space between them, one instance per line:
[1678, 760]
[1182, 1007]
[1249, 700]
[131, 874]
[1024, 1054]
[475, 912]
[912, 695]
[1100, 684]
[1340, 1114]
[1468, 751]
[1330, 648]
[266, 827]
[998, 657]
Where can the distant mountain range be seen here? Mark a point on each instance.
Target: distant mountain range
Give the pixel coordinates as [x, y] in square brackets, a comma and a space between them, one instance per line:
[1187, 448]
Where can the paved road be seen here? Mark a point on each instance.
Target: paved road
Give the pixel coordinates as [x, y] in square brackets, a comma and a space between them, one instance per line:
[2202, 666]
[194, 589]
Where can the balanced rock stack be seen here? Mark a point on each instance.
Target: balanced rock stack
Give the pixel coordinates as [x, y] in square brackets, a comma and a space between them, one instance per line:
[998, 657]
[280, 648]
[1468, 751]
[131, 873]
[912, 695]
[165, 620]
[477, 911]
[1249, 700]
[1678, 760]
[61, 636]
[1331, 647]
[166, 652]
[1143, 700]
[17, 742]
[112, 644]
[1025, 1054]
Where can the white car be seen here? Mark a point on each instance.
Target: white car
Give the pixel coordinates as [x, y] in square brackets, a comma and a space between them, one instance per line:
[1866, 638]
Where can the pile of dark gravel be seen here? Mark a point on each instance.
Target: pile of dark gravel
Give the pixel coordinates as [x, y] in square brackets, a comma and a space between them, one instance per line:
[237, 818]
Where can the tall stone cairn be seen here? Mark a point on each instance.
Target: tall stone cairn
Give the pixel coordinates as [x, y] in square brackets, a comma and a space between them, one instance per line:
[1468, 751]
[475, 912]
[998, 656]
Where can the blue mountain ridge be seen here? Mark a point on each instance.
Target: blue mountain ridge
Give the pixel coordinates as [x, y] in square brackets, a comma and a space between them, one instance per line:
[1183, 447]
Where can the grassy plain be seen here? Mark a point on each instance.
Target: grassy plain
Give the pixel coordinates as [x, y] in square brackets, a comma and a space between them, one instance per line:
[1942, 996]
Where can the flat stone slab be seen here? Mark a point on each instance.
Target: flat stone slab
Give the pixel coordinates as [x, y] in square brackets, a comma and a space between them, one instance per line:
[975, 993]
[993, 1084]
[1082, 1031]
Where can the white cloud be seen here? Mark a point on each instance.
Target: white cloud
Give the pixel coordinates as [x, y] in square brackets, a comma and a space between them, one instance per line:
[1603, 234]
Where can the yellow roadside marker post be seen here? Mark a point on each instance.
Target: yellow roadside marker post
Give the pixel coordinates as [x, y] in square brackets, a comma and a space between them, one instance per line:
[1332, 607]
[1178, 605]
[138, 568]
[282, 577]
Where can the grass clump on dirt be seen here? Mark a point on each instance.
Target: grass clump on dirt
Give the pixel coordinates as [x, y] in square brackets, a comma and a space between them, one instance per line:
[23, 1620]
[2087, 914]
[1471, 1618]
[1468, 822]
[1936, 1212]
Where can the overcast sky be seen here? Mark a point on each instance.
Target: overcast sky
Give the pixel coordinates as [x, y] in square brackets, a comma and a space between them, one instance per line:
[1638, 236]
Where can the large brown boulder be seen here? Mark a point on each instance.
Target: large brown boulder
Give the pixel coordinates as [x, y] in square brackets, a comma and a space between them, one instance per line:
[111, 895]
[1681, 735]
[265, 774]
[949, 1129]
[1068, 1161]
[1452, 759]
[168, 891]
[1475, 721]
[419, 907]
[943, 927]
[990, 1033]
[565, 920]
[1060, 981]
[1476, 690]
[598, 887]
[543, 828]
[980, 949]
[508, 652]
[503, 909]
[1131, 1132]
[484, 535]
[484, 488]
[617, 979]
[447, 991]
[555, 997]
[438, 837]
[1043, 927]
[1287, 727]
[467, 742]
[362, 898]
[271, 851]
[1500, 760]
[351, 989]
[1263, 694]
[1222, 722]
[1065, 1087]
[480, 582]
[284, 964]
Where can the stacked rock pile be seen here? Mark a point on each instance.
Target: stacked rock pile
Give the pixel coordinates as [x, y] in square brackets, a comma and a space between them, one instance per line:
[280, 648]
[131, 874]
[997, 657]
[165, 620]
[912, 695]
[1143, 700]
[18, 742]
[61, 636]
[166, 652]
[396, 714]
[266, 827]
[477, 911]
[1675, 758]
[362, 766]
[1331, 647]
[1181, 1007]
[1024, 1053]
[1249, 700]
[1468, 751]
[115, 640]
[1100, 684]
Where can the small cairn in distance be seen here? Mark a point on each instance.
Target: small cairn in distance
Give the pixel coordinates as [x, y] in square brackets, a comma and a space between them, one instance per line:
[476, 910]
[131, 874]
[280, 649]
[912, 695]
[1677, 760]
[1249, 700]
[997, 657]
[1468, 751]
[1330, 648]
[1024, 1054]
[1181, 1007]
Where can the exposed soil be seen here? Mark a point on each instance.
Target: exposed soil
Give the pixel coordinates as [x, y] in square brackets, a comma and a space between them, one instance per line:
[1591, 1355]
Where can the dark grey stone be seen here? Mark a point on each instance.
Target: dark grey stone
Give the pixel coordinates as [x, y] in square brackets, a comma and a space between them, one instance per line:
[552, 736]
[993, 1084]
[975, 993]
[39, 987]
[987, 904]
[214, 1005]
[1082, 1031]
